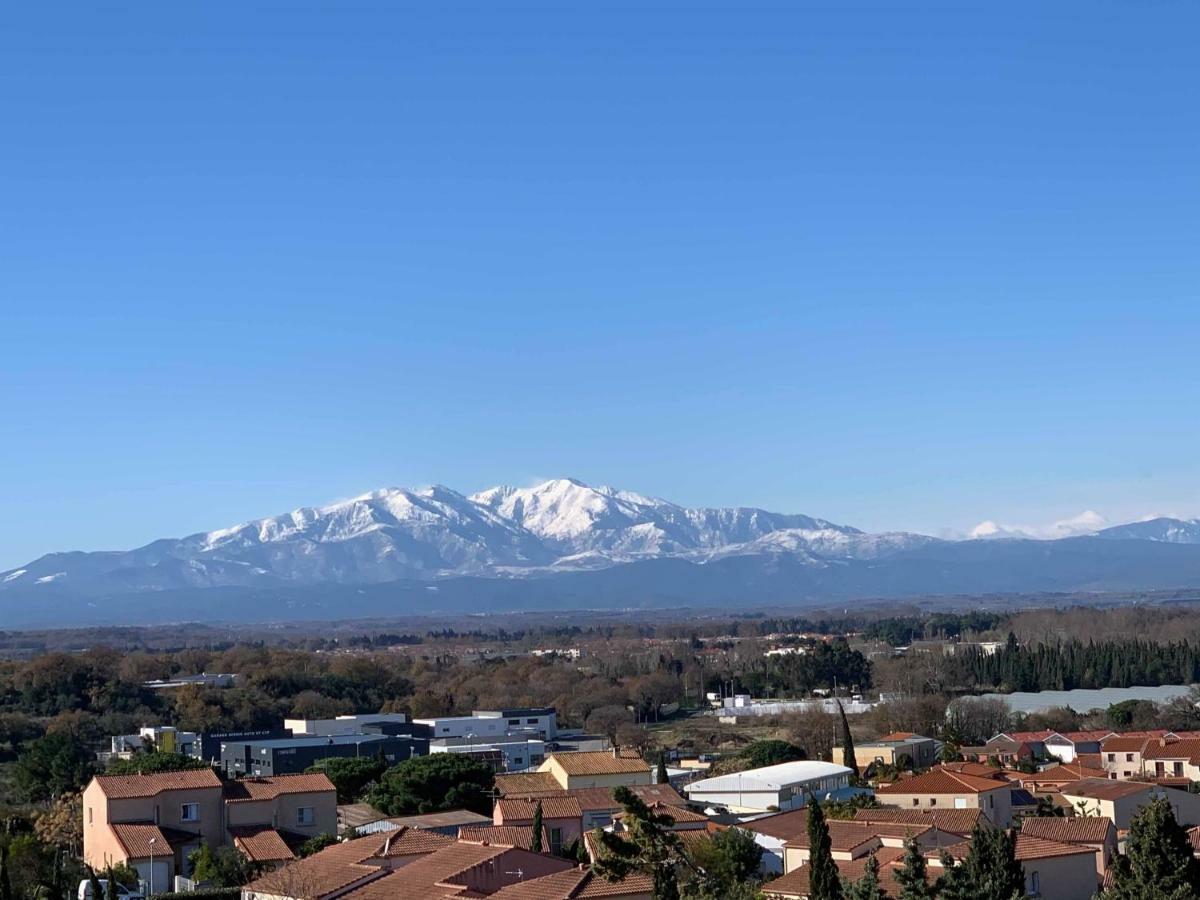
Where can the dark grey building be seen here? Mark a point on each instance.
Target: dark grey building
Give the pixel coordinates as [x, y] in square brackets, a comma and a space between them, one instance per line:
[288, 755]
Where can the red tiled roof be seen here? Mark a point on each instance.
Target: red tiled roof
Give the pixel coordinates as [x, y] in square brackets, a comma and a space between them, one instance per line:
[795, 882]
[1188, 748]
[600, 762]
[135, 837]
[1194, 838]
[942, 781]
[576, 883]
[503, 836]
[410, 841]
[518, 782]
[268, 787]
[261, 843]
[333, 869]
[124, 787]
[1077, 737]
[446, 872]
[1029, 847]
[1123, 743]
[513, 811]
[1104, 788]
[951, 821]
[845, 835]
[1026, 736]
[681, 814]
[1069, 829]
[1064, 773]
[898, 736]
[600, 799]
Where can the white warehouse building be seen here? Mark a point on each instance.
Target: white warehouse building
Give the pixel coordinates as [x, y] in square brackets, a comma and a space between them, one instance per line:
[782, 787]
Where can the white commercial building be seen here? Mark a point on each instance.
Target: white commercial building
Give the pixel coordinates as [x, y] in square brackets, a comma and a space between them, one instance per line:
[504, 754]
[491, 723]
[782, 787]
[341, 725]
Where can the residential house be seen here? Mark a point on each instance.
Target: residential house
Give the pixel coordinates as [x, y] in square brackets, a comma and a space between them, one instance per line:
[1054, 777]
[1096, 832]
[1120, 801]
[597, 804]
[1121, 756]
[151, 822]
[1067, 747]
[892, 749]
[580, 882]
[598, 768]
[941, 788]
[771, 788]
[1034, 740]
[562, 818]
[381, 867]
[958, 822]
[267, 818]
[1177, 760]
[447, 822]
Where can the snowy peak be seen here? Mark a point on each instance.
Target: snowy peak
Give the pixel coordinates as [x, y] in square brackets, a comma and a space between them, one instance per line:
[1163, 529]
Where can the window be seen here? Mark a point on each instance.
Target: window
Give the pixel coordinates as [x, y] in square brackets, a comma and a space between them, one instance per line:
[189, 812]
[304, 815]
[991, 802]
[916, 802]
[1128, 757]
[531, 721]
[1112, 757]
[514, 721]
[1035, 883]
[1178, 768]
[556, 841]
[933, 801]
[89, 815]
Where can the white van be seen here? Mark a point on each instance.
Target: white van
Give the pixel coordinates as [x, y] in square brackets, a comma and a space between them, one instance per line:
[123, 892]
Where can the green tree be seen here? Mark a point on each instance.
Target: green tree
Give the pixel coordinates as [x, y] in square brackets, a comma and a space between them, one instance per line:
[316, 844]
[96, 885]
[1158, 863]
[990, 870]
[912, 876]
[225, 867]
[867, 887]
[661, 776]
[648, 846]
[50, 766]
[535, 840]
[849, 760]
[770, 753]
[6, 891]
[431, 783]
[823, 880]
[152, 762]
[351, 775]
[731, 857]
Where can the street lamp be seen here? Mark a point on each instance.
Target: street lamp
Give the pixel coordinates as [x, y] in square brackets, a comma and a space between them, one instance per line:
[152, 840]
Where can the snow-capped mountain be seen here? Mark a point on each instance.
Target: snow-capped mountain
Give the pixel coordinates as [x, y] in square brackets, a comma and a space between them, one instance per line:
[1171, 531]
[561, 544]
[437, 532]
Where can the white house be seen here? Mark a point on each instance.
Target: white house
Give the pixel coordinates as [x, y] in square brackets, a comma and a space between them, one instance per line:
[781, 787]
[507, 753]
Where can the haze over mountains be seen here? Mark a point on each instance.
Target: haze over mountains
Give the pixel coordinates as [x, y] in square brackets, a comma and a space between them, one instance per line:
[563, 544]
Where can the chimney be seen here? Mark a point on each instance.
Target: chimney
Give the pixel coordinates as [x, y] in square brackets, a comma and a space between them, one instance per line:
[616, 751]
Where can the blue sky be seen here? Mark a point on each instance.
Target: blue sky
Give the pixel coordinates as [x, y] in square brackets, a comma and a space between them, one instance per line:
[898, 265]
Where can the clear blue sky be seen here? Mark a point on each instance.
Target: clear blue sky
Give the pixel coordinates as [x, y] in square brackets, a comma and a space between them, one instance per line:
[899, 265]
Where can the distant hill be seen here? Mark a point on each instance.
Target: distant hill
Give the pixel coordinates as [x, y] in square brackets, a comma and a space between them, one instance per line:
[562, 544]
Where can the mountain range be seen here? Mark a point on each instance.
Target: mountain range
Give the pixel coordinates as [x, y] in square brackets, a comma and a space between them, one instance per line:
[563, 544]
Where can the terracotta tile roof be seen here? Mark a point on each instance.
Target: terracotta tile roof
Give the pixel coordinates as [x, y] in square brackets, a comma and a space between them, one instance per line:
[268, 787]
[261, 843]
[446, 873]
[980, 770]
[503, 836]
[1091, 760]
[1122, 743]
[135, 837]
[1188, 748]
[795, 882]
[600, 762]
[408, 841]
[1069, 829]
[576, 883]
[124, 787]
[942, 781]
[1194, 837]
[898, 736]
[335, 868]
[681, 814]
[600, 799]
[1104, 788]
[1063, 773]
[1078, 737]
[844, 835]
[520, 782]
[1029, 847]
[785, 826]
[1036, 737]
[690, 840]
[512, 811]
[951, 821]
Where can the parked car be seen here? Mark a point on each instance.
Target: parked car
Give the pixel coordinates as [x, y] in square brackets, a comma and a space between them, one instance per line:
[123, 891]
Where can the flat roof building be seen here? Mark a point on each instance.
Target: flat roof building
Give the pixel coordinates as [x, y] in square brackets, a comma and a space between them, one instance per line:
[780, 787]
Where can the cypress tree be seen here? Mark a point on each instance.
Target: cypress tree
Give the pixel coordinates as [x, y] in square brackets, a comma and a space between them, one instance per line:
[6, 892]
[1158, 864]
[661, 776]
[867, 887]
[911, 875]
[990, 870]
[823, 880]
[97, 887]
[849, 760]
[535, 842]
